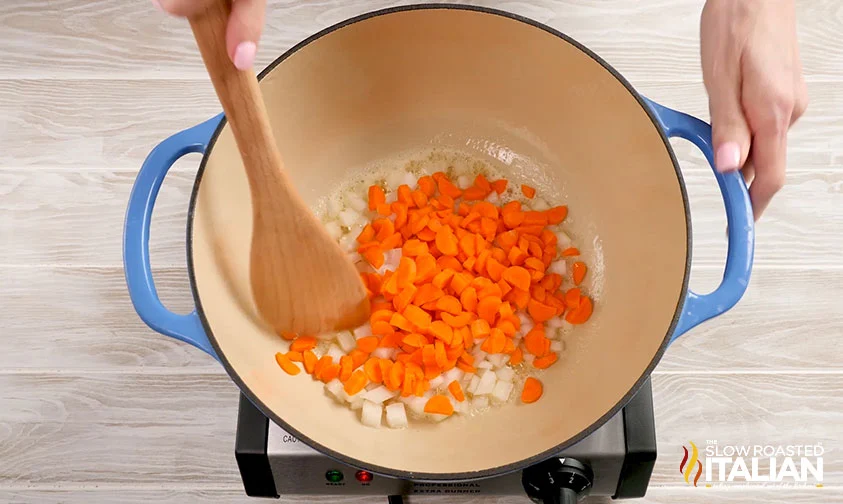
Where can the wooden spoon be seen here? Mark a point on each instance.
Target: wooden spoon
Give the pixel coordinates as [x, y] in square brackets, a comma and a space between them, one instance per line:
[301, 280]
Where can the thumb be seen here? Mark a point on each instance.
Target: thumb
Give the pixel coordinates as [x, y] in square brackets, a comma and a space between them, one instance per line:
[729, 130]
[244, 30]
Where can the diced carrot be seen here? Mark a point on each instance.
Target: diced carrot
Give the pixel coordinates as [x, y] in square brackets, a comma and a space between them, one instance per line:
[413, 248]
[480, 328]
[570, 252]
[406, 272]
[532, 391]
[439, 405]
[528, 191]
[536, 342]
[449, 189]
[499, 186]
[330, 372]
[516, 358]
[303, 343]
[456, 391]
[495, 343]
[404, 297]
[376, 197]
[442, 331]
[581, 313]
[425, 267]
[487, 308]
[578, 270]
[518, 277]
[540, 311]
[427, 186]
[373, 256]
[367, 235]
[474, 193]
[545, 361]
[449, 304]
[310, 360]
[295, 356]
[373, 370]
[468, 299]
[418, 317]
[286, 364]
[443, 278]
[358, 358]
[557, 214]
[446, 242]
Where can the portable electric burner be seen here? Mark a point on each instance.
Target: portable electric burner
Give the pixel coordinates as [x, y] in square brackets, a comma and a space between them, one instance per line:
[616, 460]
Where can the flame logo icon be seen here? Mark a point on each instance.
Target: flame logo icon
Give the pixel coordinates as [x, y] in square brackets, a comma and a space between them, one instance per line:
[686, 467]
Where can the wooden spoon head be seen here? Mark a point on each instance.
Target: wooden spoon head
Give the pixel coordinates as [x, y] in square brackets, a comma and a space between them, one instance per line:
[301, 280]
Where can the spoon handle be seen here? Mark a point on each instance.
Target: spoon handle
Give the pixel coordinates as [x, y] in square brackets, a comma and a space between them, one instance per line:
[240, 97]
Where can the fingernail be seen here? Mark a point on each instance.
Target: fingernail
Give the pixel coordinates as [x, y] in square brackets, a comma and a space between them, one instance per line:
[157, 5]
[244, 55]
[728, 157]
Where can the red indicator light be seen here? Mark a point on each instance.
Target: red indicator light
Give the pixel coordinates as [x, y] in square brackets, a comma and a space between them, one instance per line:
[364, 476]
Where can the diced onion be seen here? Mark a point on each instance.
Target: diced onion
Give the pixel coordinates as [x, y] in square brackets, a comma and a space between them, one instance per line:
[502, 390]
[437, 382]
[463, 182]
[554, 323]
[563, 241]
[335, 353]
[539, 205]
[453, 374]
[487, 383]
[497, 360]
[411, 181]
[334, 230]
[417, 404]
[334, 206]
[356, 402]
[505, 374]
[559, 267]
[472, 386]
[391, 259]
[493, 198]
[346, 341]
[395, 179]
[529, 358]
[382, 353]
[335, 388]
[557, 346]
[371, 414]
[363, 331]
[396, 417]
[379, 395]
[480, 403]
[356, 203]
[349, 217]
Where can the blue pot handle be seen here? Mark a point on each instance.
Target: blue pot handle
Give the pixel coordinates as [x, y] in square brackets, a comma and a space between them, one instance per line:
[700, 307]
[187, 328]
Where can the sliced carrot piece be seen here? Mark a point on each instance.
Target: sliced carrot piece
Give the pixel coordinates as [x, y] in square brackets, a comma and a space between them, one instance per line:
[578, 270]
[413, 248]
[358, 358]
[295, 356]
[400, 321]
[545, 361]
[404, 297]
[449, 304]
[447, 188]
[557, 214]
[536, 342]
[418, 317]
[495, 343]
[441, 356]
[367, 235]
[303, 343]
[518, 277]
[487, 308]
[532, 391]
[442, 331]
[401, 212]
[456, 391]
[376, 197]
[443, 278]
[373, 370]
[474, 193]
[406, 272]
[468, 299]
[570, 252]
[330, 372]
[373, 256]
[581, 313]
[494, 269]
[446, 242]
[427, 185]
[480, 328]
[499, 186]
[415, 340]
[286, 364]
[516, 358]
[425, 267]
[439, 405]
[528, 191]
[539, 311]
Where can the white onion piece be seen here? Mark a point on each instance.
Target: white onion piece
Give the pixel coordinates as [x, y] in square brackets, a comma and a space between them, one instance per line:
[472, 386]
[557, 346]
[334, 230]
[391, 197]
[462, 407]
[411, 181]
[356, 203]
[437, 382]
[379, 395]
[566, 326]
[466, 379]
[382, 353]
[505, 374]
[484, 365]
[371, 414]
[453, 374]
[348, 242]
[463, 182]
[559, 267]
[554, 323]
[493, 198]
[396, 417]
[356, 402]
[334, 206]
[391, 259]
[480, 403]
[487, 383]
[497, 360]
[539, 205]
[335, 388]
[529, 358]
[563, 241]
[335, 352]
[395, 178]
[349, 217]
[346, 341]
[416, 404]
[363, 331]
[502, 390]
[479, 355]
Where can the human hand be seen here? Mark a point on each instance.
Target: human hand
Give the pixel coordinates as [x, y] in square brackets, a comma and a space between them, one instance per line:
[244, 25]
[753, 75]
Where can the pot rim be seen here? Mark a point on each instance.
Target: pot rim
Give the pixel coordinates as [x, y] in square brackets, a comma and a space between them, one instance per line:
[425, 476]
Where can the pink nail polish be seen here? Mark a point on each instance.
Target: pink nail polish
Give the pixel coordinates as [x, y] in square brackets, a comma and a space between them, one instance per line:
[244, 55]
[728, 157]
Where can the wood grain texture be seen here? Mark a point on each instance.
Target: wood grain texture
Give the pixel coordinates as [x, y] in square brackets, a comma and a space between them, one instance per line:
[85, 321]
[656, 40]
[114, 123]
[97, 408]
[108, 495]
[177, 428]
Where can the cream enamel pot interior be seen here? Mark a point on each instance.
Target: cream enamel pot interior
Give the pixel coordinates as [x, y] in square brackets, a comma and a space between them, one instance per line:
[511, 91]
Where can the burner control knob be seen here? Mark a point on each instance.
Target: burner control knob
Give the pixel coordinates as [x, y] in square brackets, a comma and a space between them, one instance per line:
[557, 481]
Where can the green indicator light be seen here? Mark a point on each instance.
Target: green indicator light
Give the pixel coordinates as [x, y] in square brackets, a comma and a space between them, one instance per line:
[333, 476]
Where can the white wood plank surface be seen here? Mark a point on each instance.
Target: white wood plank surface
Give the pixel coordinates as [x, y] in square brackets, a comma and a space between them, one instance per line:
[97, 408]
